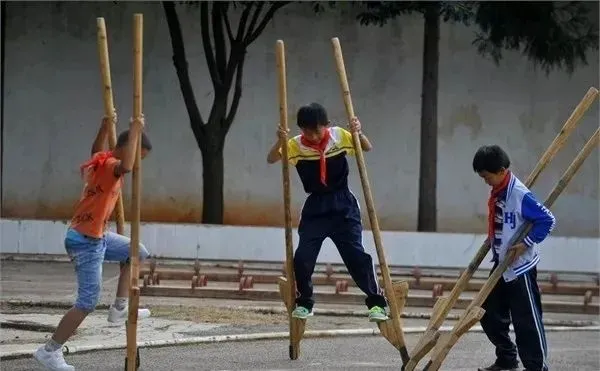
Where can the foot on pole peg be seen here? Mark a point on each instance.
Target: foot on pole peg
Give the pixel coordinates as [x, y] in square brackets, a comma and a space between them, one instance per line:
[137, 360]
[416, 272]
[554, 281]
[437, 291]
[587, 298]
[329, 271]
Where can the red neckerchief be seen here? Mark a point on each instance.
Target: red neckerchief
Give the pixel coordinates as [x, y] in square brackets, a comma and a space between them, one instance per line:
[496, 190]
[320, 147]
[98, 159]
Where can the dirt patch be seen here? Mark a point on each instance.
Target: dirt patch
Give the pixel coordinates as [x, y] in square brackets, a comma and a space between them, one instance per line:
[217, 315]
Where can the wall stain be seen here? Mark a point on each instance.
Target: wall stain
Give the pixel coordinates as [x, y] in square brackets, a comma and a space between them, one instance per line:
[466, 115]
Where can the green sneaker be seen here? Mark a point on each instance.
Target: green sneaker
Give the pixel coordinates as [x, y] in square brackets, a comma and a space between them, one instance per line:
[301, 313]
[377, 314]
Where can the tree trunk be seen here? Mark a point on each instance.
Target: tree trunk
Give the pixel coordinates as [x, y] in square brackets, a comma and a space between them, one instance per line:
[427, 214]
[212, 179]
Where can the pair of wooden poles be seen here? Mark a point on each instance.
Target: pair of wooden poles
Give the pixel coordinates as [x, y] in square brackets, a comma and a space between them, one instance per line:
[395, 292]
[132, 360]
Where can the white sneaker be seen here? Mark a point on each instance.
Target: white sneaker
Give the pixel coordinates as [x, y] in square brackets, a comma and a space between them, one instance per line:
[120, 316]
[52, 360]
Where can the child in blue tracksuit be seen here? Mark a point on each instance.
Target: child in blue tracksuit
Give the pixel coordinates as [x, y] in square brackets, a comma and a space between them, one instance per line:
[330, 210]
[516, 296]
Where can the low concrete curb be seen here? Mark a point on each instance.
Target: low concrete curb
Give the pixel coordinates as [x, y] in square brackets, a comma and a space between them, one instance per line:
[261, 336]
[282, 310]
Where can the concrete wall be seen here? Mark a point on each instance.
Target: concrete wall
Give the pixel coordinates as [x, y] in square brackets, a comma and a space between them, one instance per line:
[181, 241]
[53, 105]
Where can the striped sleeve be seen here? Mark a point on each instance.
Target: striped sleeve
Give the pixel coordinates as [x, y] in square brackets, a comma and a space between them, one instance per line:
[540, 217]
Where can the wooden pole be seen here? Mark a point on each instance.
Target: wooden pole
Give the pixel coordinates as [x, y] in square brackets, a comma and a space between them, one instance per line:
[444, 305]
[393, 332]
[287, 286]
[474, 312]
[109, 108]
[132, 361]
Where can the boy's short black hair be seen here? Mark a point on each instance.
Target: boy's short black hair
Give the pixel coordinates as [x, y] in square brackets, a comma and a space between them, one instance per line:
[124, 138]
[491, 159]
[312, 116]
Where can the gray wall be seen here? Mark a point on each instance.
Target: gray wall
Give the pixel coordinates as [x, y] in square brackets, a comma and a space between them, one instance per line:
[53, 104]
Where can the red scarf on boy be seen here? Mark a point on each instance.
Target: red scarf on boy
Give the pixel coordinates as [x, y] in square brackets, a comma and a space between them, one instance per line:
[98, 159]
[320, 147]
[496, 190]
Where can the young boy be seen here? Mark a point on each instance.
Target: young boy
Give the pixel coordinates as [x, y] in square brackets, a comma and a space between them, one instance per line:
[88, 243]
[517, 295]
[330, 210]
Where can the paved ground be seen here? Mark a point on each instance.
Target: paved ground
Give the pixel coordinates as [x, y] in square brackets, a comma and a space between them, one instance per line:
[37, 282]
[569, 352]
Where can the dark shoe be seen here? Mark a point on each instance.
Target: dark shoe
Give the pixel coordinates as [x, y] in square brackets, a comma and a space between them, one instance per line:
[495, 367]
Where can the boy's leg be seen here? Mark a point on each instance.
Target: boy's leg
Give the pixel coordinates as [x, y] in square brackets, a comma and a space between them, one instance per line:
[347, 237]
[87, 255]
[312, 233]
[526, 310]
[496, 325]
[117, 249]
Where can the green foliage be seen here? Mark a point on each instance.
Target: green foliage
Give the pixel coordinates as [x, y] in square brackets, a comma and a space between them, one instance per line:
[380, 12]
[550, 34]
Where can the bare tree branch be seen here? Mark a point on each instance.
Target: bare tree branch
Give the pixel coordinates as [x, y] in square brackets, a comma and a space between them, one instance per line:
[181, 67]
[253, 34]
[237, 95]
[255, 16]
[227, 24]
[208, 52]
[219, 39]
[242, 25]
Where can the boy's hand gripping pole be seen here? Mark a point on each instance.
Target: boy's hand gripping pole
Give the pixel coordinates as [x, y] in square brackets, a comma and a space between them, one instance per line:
[287, 285]
[396, 293]
[474, 312]
[132, 361]
[443, 305]
[109, 108]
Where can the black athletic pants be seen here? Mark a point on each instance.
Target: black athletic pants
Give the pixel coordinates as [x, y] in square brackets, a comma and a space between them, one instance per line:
[335, 215]
[520, 301]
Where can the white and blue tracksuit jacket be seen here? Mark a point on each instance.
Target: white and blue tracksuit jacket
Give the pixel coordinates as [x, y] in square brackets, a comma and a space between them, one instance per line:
[515, 207]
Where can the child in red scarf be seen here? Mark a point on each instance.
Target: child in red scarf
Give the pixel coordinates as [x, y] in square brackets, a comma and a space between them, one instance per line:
[89, 244]
[331, 210]
[516, 296]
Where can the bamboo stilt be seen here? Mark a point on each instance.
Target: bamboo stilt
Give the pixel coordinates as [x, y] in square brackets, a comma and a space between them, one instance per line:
[392, 328]
[287, 286]
[109, 108]
[132, 361]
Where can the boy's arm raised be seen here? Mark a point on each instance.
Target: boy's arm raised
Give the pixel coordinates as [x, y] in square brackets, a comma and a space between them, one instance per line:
[136, 127]
[100, 141]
